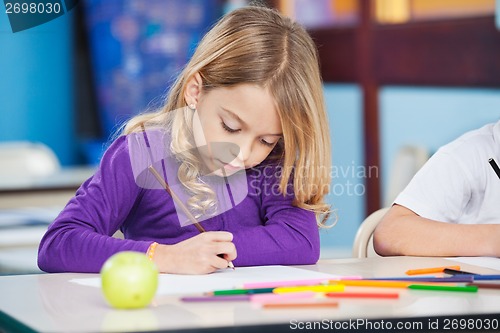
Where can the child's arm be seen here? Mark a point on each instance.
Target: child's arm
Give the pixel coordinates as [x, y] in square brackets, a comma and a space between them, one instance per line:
[442, 192]
[80, 239]
[288, 235]
[402, 232]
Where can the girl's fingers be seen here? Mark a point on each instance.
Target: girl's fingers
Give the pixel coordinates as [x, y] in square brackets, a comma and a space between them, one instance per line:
[217, 236]
[227, 249]
[219, 263]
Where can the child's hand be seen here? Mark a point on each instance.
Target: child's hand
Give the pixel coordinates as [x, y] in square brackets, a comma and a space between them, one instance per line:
[196, 255]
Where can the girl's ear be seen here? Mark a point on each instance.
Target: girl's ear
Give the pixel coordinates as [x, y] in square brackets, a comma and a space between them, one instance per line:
[193, 89]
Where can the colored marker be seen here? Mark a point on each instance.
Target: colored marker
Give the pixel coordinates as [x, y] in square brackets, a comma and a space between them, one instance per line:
[472, 289]
[270, 298]
[481, 277]
[457, 272]
[362, 295]
[230, 298]
[429, 270]
[455, 278]
[316, 289]
[372, 283]
[495, 167]
[241, 291]
[288, 305]
[289, 283]
[485, 285]
[275, 284]
[386, 284]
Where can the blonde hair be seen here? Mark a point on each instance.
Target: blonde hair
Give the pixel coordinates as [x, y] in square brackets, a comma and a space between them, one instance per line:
[259, 46]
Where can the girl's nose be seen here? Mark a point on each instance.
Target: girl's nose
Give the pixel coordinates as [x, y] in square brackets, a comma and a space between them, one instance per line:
[244, 150]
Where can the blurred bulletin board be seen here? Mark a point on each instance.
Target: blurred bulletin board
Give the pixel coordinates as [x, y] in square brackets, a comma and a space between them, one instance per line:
[402, 11]
[335, 13]
[321, 13]
[137, 49]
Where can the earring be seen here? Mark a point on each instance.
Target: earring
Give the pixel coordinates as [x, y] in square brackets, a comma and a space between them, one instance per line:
[192, 106]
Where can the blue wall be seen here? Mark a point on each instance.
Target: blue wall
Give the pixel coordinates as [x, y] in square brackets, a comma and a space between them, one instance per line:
[36, 103]
[497, 15]
[36, 85]
[430, 117]
[427, 116]
[347, 189]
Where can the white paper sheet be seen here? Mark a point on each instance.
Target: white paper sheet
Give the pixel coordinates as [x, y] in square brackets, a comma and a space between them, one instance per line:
[487, 262]
[171, 284]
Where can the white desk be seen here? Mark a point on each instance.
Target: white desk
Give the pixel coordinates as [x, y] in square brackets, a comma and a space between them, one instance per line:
[50, 303]
[32, 198]
[44, 191]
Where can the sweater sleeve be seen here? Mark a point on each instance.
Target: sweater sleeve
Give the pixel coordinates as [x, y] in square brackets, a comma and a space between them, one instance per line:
[289, 235]
[80, 239]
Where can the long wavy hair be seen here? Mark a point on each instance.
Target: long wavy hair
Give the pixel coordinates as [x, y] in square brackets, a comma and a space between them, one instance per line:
[257, 45]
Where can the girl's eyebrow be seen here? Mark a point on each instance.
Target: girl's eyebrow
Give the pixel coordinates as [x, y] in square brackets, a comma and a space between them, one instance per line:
[234, 116]
[244, 124]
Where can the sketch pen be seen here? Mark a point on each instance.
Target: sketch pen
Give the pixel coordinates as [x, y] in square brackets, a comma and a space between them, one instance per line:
[429, 270]
[456, 272]
[303, 304]
[454, 278]
[274, 298]
[216, 298]
[316, 289]
[290, 283]
[480, 277]
[388, 283]
[241, 291]
[275, 284]
[472, 289]
[373, 283]
[495, 167]
[485, 285]
[362, 295]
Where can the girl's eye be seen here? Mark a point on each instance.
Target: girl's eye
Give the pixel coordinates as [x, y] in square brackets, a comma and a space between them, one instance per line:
[268, 144]
[233, 130]
[229, 129]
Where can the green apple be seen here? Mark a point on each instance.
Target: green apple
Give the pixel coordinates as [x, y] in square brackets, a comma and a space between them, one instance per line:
[129, 280]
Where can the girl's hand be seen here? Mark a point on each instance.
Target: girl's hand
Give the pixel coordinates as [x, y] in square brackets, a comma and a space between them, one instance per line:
[196, 255]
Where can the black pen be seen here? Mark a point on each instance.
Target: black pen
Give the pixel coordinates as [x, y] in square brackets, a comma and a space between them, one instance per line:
[495, 167]
[457, 272]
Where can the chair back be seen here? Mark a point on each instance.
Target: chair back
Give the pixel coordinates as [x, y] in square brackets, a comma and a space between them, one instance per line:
[363, 241]
[21, 161]
[408, 160]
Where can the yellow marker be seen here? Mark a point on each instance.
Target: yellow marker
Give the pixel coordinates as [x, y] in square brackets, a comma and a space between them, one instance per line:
[316, 289]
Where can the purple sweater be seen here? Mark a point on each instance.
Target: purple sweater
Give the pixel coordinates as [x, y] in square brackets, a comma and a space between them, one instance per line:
[267, 228]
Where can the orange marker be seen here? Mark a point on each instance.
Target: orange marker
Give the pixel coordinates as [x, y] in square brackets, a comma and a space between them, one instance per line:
[430, 270]
[374, 283]
[385, 283]
[362, 295]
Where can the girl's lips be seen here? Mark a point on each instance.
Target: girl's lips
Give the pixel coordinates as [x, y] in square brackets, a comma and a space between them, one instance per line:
[230, 166]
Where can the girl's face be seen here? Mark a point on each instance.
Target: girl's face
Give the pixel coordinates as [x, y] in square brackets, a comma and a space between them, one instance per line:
[236, 127]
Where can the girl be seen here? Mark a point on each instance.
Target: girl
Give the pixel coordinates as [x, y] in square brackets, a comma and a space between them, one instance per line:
[254, 85]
